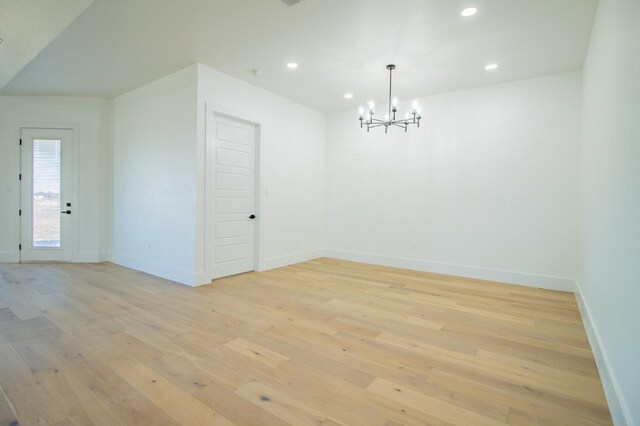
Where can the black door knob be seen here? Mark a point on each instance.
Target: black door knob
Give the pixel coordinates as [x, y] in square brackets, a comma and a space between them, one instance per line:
[66, 212]
[253, 216]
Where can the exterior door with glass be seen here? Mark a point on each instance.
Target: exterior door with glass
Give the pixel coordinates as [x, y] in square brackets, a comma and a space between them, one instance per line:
[47, 213]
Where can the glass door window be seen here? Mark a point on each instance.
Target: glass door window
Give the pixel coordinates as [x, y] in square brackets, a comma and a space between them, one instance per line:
[46, 221]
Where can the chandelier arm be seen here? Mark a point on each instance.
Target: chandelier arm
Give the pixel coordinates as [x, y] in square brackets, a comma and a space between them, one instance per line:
[390, 119]
[402, 122]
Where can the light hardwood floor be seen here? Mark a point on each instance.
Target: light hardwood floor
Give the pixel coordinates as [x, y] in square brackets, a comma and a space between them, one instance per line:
[324, 342]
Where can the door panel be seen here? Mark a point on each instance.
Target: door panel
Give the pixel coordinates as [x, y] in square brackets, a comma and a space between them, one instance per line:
[232, 181]
[231, 193]
[230, 157]
[232, 253]
[232, 229]
[227, 131]
[226, 205]
[46, 191]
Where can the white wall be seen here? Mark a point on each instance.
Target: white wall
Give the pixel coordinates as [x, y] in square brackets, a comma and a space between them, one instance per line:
[154, 177]
[487, 187]
[159, 173]
[90, 116]
[609, 281]
[292, 168]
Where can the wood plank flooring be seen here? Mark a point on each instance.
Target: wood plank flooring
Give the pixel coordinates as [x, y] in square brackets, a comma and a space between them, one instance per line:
[324, 342]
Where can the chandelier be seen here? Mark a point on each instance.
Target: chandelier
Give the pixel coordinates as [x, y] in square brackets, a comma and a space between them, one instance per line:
[411, 117]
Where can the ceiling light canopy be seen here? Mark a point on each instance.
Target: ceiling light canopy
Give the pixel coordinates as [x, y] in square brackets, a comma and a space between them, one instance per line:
[413, 116]
[469, 11]
[491, 67]
[348, 95]
[292, 65]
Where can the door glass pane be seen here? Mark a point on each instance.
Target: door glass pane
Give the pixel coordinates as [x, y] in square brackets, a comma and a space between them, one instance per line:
[46, 193]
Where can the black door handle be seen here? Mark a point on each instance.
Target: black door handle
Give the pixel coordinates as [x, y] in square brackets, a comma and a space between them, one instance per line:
[66, 212]
[253, 216]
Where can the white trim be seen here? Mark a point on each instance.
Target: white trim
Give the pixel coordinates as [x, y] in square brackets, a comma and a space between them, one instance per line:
[201, 278]
[212, 109]
[92, 257]
[156, 269]
[246, 116]
[620, 413]
[75, 170]
[519, 278]
[290, 259]
[9, 257]
[83, 257]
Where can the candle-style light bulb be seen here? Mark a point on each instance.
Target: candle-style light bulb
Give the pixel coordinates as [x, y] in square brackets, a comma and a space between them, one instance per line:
[414, 106]
[386, 118]
[394, 104]
[419, 111]
[372, 106]
[361, 112]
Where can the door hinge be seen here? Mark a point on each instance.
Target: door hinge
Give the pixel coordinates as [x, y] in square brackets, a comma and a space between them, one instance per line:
[20, 142]
[19, 246]
[20, 176]
[20, 212]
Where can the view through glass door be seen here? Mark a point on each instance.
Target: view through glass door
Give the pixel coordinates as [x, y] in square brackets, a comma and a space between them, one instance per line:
[46, 192]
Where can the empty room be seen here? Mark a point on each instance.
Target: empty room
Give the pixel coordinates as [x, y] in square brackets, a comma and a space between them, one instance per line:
[319, 212]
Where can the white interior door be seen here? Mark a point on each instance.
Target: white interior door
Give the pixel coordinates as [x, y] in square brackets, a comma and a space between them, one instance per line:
[46, 192]
[231, 194]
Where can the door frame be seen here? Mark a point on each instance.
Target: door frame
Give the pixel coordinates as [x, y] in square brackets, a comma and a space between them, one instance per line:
[75, 162]
[212, 109]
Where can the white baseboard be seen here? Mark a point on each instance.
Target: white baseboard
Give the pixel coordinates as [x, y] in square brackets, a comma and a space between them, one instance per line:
[620, 412]
[520, 278]
[81, 257]
[290, 259]
[153, 268]
[201, 278]
[204, 278]
[92, 257]
[9, 257]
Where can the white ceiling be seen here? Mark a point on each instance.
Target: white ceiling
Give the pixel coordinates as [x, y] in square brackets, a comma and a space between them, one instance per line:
[341, 46]
[28, 26]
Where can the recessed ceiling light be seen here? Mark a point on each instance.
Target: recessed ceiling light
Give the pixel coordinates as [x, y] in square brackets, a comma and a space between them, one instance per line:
[469, 11]
[348, 95]
[491, 67]
[292, 65]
